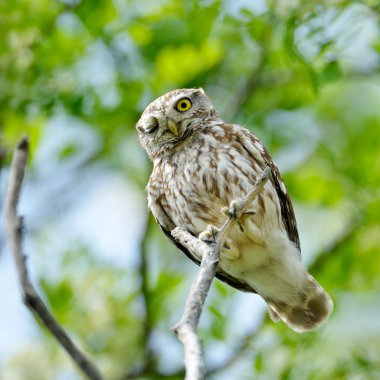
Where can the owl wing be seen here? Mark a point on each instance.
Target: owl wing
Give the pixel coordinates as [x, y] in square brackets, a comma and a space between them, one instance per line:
[257, 152]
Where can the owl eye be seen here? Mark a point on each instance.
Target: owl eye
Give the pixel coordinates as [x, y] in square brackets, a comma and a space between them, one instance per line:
[183, 105]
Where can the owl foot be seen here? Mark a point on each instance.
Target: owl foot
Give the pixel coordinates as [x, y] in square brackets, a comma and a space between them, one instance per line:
[209, 235]
[229, 250]
[235, 212]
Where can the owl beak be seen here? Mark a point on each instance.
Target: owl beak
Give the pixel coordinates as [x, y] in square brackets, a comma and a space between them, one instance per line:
[173, 127]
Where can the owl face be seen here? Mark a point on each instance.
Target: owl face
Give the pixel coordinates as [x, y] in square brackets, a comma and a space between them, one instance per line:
[172, 118]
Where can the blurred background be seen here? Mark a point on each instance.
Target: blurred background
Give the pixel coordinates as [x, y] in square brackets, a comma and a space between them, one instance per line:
[75, 75]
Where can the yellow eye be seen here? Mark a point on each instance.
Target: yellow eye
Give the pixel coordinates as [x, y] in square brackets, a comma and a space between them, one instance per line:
[183, 105]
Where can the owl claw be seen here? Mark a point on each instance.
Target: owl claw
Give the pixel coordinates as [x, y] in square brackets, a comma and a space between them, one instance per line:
[230, 250]
[235, 212]
[209, 235]
[232, 211]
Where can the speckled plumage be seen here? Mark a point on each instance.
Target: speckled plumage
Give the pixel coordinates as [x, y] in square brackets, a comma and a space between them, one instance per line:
[201, 164]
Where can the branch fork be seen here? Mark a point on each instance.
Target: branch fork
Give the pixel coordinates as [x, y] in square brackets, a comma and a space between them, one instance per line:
[186, 328]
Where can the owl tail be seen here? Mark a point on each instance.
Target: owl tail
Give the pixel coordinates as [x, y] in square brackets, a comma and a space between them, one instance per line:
[310, 309]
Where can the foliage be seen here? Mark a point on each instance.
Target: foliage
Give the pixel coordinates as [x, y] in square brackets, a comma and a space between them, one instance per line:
[75, 75]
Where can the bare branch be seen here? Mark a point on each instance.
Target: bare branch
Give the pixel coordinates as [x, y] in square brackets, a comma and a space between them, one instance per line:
[187, 326]
[186, 329]
[143, 271]
[147, 366]
[30, 296]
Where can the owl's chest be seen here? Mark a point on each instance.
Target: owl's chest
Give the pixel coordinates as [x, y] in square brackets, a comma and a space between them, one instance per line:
[196, 173]
[182, 178]
[194, 185]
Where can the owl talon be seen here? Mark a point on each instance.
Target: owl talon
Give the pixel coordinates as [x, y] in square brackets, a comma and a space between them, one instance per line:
[234, 212]
[209, 235]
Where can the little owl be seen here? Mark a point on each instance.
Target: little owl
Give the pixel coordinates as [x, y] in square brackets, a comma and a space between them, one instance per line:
[200, 165]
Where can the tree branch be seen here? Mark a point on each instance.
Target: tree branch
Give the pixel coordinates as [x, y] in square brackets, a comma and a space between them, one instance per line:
[143, 271]
[30, 296]
[147, 367]
[186, 329]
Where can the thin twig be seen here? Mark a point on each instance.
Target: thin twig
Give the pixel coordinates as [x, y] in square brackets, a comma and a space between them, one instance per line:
[3, 154]
[143, 270]
[186, 329]
[147, 366]
[30, 296]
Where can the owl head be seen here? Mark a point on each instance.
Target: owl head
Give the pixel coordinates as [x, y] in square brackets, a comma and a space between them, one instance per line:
[171, 119]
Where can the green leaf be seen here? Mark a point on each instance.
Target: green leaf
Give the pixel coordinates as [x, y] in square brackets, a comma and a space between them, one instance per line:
[331, 72]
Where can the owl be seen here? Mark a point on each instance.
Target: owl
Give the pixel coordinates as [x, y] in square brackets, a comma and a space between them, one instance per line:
[200, 165]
